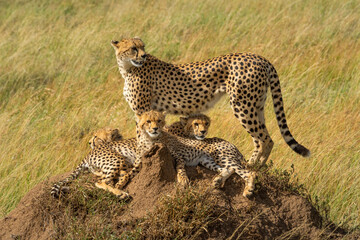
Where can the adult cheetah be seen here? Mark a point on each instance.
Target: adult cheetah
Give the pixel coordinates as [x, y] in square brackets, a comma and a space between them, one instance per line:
[194, 87]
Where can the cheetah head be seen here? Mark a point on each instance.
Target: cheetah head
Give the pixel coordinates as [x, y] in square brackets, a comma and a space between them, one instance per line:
[151, 123]
[130, 51]
[196, 125]
[104, 135]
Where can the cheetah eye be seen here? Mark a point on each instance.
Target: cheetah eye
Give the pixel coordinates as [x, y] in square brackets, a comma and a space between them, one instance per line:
[134, 49]
[196, 124]
[159, 121]
[206, 124]
[148, 121]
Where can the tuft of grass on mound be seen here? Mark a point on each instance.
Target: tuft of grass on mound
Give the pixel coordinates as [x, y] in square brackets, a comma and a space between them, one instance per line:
[86, 212]
[193, 213]
[186, 215]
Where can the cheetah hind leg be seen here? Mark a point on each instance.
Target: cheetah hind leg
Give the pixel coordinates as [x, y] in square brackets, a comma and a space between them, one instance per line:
[224, 173]
[220, 179]
[103, 184]
[268, 142]
[268, 147]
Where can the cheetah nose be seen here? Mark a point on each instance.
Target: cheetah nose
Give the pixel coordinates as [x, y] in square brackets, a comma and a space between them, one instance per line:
[144, 56]
[203, 132]
[155, 129]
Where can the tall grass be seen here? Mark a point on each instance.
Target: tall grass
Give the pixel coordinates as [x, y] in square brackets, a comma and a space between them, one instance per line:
[59, 81]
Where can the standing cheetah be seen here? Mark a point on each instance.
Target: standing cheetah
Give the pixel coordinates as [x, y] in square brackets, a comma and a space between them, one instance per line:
[194, 87]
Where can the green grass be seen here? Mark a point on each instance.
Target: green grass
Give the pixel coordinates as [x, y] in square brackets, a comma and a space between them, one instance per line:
[59, 81]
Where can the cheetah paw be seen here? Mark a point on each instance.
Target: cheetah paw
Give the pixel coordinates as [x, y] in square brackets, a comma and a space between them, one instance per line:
[217, 182]
[248, 192]
[183, 180]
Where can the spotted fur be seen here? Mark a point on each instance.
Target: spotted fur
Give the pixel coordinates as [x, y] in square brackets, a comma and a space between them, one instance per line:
[124, 147]
[194, 87]
[108, 165]
[190, 152]
[194, 126]
[226, 154]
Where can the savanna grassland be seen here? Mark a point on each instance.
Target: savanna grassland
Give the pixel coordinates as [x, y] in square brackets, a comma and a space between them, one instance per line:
[59, 81]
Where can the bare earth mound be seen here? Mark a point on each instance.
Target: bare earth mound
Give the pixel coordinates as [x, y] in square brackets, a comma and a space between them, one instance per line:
[158, 210]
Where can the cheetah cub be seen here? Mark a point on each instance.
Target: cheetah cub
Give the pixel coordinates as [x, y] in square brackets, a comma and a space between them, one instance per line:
[105, 163]
[194, 126]
[125, 147]
[224, 153]
[187, 152]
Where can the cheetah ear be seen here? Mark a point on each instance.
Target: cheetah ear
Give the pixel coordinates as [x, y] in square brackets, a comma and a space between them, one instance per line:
[138, 38]
[183, 120]
[98, 141]
[115, 135]
[115, 44]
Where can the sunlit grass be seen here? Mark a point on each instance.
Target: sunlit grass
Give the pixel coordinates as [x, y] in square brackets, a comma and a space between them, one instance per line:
[59, 81]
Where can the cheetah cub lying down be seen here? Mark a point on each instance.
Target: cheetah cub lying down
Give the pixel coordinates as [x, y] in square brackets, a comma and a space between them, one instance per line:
[196, 127]
[190, 152]
[193, 126]
[102, 161]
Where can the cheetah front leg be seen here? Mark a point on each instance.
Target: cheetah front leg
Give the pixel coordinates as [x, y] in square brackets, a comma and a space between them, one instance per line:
[105, 182]
[136, 169]
[181, 176]
[139, 103]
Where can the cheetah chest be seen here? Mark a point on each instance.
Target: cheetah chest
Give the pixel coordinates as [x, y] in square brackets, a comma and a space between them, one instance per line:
[126, 92]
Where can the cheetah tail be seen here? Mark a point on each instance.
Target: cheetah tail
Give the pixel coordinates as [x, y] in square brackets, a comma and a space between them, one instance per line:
[57, 188]
[280, 115]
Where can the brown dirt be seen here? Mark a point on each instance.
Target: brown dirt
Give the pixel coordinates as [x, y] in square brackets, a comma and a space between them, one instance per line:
[274, 212]
[157, 177]
[25, 221]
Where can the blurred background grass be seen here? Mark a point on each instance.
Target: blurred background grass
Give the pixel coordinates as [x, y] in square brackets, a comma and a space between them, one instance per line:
[59, 81]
